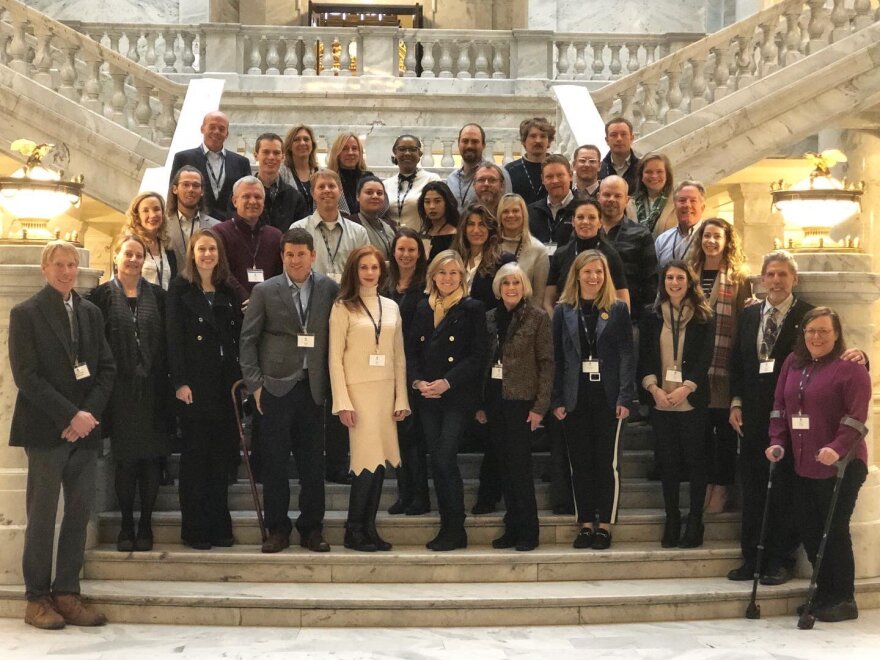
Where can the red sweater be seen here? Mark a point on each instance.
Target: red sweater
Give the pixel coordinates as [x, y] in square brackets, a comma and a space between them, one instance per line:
[248, 248]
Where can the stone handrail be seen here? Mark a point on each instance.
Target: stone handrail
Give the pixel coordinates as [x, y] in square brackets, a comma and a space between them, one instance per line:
[697, 74]
[88, 73]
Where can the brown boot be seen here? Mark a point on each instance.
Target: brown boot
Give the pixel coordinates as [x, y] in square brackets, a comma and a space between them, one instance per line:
[41, 613]
[76, 612]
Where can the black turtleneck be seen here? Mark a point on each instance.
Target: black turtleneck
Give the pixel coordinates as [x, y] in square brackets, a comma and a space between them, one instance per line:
[350, 180]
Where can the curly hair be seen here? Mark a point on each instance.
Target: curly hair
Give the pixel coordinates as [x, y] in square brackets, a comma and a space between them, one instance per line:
[732, 258]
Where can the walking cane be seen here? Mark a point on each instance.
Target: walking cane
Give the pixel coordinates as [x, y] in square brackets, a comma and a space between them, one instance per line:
[807, 619]
[753, 611]
[237, 388]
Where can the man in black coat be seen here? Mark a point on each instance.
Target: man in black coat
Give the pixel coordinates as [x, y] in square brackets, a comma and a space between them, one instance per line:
[220, 167]
[64, 370]
[283, 204]
[620, 159]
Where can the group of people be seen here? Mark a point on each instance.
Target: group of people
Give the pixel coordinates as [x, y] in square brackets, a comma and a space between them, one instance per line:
[402, 315]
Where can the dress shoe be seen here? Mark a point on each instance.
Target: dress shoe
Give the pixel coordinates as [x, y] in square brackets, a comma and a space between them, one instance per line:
[775, 575]
[226, 542]
[818, 601]
[693, 533]
[417, 509]
[449, 538]
[397, 508]
[742, 573]
[601, 539]
[563, 510]
[197, 545]
[275, 542]
[41, 613]
[143, 543]
[356, 539]
[76, 612]
[526, 546]
[125, 540]
[506, 540]
[314, 541]
[483, 507]
[584, 539]
[843, 610]
[671, 531]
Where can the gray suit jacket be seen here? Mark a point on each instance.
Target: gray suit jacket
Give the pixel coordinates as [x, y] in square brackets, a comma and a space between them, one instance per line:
[269, 355]
[179, 239]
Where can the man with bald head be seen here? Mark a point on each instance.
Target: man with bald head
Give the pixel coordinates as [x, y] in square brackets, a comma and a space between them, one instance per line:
[220, 167]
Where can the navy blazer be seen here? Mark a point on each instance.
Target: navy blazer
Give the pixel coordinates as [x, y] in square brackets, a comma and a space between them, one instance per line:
[614, 345]
[454, 350]
[699, 344]
[236, 167]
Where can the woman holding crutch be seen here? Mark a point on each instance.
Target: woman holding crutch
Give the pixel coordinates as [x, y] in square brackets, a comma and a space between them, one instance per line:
[820, 408]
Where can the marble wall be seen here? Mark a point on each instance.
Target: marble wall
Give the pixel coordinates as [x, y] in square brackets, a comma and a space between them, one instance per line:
[122, 11]
[637, 16]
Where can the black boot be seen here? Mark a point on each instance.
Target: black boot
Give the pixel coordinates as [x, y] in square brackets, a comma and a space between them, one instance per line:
[452, 536]
[693, 533]
[373, 508]
[125, 540]
[404, 494]
[671, 530]
[358, 502]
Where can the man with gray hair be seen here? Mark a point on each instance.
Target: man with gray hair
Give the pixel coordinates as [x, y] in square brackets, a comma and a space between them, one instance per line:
[489, 184]
[690, 202]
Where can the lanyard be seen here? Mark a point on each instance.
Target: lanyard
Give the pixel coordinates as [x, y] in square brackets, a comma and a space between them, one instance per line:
[134, 313]
[256, 249]
[216, 179]
[305, 190]
[535, 191]
[591, 336]
[377, 327]
[332, 254]
[304, 312]
[379, 232]
[161, 265]
[192, 226]
[805, 380]
[402, 200]
[463, 195]
[676, 330]
[687, 243]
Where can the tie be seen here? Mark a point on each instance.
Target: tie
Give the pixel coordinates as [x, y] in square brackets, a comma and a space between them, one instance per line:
[771, 330]
[409, 179]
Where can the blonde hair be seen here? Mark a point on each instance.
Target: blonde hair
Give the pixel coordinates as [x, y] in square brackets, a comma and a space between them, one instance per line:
[571, 293]
[507, 270]
[325, 173]
[512, 199]
[336, 149]
[133, 223]
[438, 262]
[55, 246]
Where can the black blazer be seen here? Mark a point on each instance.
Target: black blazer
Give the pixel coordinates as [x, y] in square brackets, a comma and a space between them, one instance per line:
[757, 390]
[542, 225]
[699, 342]
[454, 350]
[286, 207]
[41, 358]
[408, 302]
[203, 345]
[236, 167]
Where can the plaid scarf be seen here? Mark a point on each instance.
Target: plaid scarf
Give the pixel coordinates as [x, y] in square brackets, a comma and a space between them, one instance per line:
[721, 300]
[649, 213]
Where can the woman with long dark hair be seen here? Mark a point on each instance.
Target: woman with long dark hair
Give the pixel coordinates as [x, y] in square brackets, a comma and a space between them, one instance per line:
[438, 211]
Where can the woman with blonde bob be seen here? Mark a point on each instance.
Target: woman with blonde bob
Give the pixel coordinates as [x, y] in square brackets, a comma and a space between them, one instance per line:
[531, 254]
[592, 391]
[346, 158]
[449, 337]
[518, 377]
[145, 218]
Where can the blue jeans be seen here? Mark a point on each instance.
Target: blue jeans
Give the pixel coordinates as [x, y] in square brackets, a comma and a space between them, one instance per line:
[443, 429]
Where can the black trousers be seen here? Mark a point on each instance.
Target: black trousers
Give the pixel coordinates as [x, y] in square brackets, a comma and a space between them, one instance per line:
[680, 441]
[412, 475]
[782, 537]
[143, 474]
[204, 470]
[511, 440]
[335, 442]
[560, 465]
[293, 422]
[812, 498]
[590, 431]
[720, 447]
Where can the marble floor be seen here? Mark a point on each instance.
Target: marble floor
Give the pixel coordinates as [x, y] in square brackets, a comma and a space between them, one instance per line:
[771, 638]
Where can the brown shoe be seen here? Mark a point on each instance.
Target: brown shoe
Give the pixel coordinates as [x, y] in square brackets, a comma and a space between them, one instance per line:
[41, 613]
[276, 542]
[76, 612]
[314, 541]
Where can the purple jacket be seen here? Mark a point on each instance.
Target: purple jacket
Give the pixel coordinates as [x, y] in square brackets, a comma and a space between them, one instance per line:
[835, 389]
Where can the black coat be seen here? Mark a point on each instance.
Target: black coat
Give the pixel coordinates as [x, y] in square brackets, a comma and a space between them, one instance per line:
[408, 302]
[631, 176]
[284, 206]
[635, 245]
[203, 346]
[542, 225]
[454, 350]
[41, 358]
[236, 167]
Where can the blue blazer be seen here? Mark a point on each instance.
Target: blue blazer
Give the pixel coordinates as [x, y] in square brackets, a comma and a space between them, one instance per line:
[614, 345]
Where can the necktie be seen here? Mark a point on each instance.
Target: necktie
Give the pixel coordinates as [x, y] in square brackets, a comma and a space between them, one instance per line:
[771, 331]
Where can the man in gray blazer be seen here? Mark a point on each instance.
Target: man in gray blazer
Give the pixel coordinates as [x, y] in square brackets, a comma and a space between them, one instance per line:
[185, 209]
[283, 353]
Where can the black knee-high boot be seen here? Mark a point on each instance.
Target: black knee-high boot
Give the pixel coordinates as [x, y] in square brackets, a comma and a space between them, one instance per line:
[149, 478]
[358, 505]
[404, 490]
[373, 508]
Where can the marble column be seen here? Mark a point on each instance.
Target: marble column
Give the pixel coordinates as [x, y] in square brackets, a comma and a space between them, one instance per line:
[754, 220]
[20, 278]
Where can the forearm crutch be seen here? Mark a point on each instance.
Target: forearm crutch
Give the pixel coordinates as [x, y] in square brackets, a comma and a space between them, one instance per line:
[237, 390]
[753, 611]
[807, 619]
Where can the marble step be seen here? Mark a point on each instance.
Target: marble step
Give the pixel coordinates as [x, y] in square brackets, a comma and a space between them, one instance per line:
[434, 604]
[405, 564]
[633, 525]
[634, 493]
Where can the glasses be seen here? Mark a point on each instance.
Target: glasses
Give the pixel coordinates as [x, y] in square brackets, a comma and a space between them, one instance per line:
[487, 179]
[818, 332]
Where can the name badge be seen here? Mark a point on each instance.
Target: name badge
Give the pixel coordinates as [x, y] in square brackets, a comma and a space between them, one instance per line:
[497, 371]
[551, 248]
[255, 274]
[305, 341]
[81, 370]
[673, 375]
[377, 360]
[590, 367]
[800, 422]
[336, 277]
[766, 366]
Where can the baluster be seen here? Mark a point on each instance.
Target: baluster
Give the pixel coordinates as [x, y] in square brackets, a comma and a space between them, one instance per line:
[92, 88]
[792, 36]
[769, 51]
[18, 49]
[291, 59]
[203, 50]
[150, 54]
[447, 160]
[166, 122]
[562, 63]
[142, 111]
[464, 59]
[113, 41]
[722, 72]
[445, 60]
[43, 57]
[840, 21]
[598, 61]
[327, 58]
[188, 57]
[427, 59]
[132, 40]
[427, 152]
[310, 59]
[169, 56]
[255, 59]
[615, 67]
[744, 61]
[344, 57]
[632, 57]
[68, 73]
[817, 26]
[862, 11]
[627, 98]
[272, 57]
[674, 96]
[409, 60]
[580, 60]
[481, 62]
[649, 107]
[499, 70]
[698, 83]
[118, 99]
